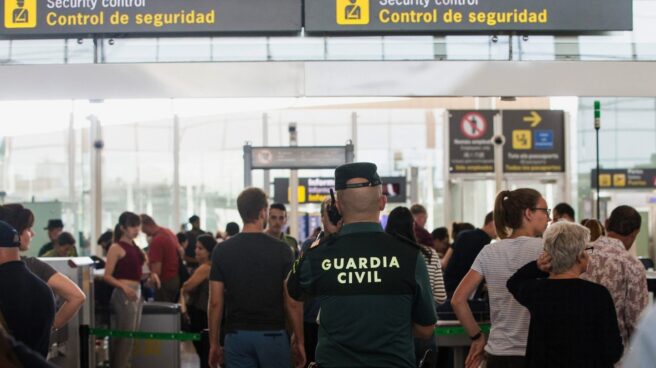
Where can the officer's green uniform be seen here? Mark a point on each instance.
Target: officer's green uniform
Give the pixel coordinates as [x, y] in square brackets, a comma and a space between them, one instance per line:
[291, 242]
[371, 287]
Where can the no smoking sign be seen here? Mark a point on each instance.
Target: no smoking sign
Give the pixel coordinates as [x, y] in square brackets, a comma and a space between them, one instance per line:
[473, 125]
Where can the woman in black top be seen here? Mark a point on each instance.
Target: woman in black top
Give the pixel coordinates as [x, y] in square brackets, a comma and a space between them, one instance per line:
[573, 321]
[195, 292]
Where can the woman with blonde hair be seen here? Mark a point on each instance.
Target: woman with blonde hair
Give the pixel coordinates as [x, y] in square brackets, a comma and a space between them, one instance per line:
[520, 218]
[595, 227]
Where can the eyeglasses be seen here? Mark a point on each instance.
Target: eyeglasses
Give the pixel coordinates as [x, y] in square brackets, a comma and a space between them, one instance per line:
[546, 210]
[589, 249]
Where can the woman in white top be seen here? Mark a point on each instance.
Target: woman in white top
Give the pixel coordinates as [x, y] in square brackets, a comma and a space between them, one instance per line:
[520, 217]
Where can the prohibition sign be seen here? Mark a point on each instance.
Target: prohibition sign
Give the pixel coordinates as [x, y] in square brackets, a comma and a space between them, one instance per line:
[473, 125]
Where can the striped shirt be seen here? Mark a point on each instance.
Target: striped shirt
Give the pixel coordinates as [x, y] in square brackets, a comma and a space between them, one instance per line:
[510, 320]
[435, 276]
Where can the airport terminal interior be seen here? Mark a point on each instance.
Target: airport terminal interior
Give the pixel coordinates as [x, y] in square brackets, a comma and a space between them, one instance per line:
[173, 108]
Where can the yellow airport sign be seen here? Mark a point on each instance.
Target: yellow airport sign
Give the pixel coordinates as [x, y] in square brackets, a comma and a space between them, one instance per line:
[352, 12]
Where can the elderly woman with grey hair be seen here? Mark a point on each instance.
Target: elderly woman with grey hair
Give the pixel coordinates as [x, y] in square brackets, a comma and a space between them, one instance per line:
[573, 321]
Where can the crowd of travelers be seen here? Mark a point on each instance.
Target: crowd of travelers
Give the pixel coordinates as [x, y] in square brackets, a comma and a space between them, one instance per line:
[357, 292]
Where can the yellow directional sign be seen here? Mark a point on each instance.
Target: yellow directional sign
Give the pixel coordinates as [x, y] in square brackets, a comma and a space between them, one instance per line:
[534, 119]
[604, 180]
[619, 180]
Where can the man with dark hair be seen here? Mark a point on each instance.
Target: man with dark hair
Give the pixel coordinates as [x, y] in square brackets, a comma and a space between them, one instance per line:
[247, 278]
[277, 220]
[163, 259]
[420, 215]
[26, 303]
[64, 247]
[563, 211]
[373, 287]
[55, 227]
[460, 257]
[196, 231]
[612, 266]
[232, 229]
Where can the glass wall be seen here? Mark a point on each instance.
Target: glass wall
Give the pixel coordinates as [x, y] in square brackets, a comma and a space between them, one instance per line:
[139, 155]
[627, 140]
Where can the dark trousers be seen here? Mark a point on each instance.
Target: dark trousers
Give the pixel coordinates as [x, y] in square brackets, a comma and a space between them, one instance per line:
[503, 361]
[311, 333]
[169, 290]
[423, 346]
[198, 319]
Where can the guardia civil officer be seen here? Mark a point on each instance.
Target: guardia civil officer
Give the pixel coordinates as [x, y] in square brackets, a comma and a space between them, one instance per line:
[373, 287]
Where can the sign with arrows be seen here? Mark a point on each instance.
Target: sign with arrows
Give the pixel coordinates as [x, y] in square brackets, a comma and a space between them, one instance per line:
[535, 141]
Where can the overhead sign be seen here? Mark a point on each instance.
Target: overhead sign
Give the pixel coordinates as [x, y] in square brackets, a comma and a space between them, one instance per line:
[470, 146]
[328, 157]
[60, 18]
[535, 141]
[624, 178]
[425, 16]
[315, 190]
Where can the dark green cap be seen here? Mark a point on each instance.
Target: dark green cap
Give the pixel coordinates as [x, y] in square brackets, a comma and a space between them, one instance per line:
[364, 170]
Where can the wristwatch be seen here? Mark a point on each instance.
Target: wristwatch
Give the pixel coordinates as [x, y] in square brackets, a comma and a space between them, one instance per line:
[477, 336]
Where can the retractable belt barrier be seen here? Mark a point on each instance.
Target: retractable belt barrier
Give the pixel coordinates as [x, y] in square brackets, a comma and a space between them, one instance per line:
[180, 336]
[458, 330]
[187, 336]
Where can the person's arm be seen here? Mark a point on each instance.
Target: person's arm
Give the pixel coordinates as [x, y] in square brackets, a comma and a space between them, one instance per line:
[155, 256]
[636, 298]
[299, 280]
[613, 347]
[460, 305]
[643, 344]
[447, 257]
[522, 283]
[199, 275]
[294, 311]
[424, 316]
[214, 314]
[156, 268]
[113, 255]
[153, 277]
[72, 296]
[436, 278]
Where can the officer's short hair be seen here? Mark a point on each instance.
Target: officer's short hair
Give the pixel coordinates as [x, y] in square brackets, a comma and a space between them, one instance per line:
[249, 204]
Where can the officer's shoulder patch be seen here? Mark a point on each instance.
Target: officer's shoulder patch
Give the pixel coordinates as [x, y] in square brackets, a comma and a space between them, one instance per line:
[323, 242]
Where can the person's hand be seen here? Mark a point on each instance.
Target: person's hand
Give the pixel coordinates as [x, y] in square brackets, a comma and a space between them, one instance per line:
[130, 293]
[298, 352]
[216, 356]
[153, 281]
[544, 262]
[476, 353]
